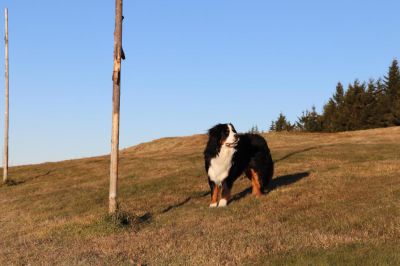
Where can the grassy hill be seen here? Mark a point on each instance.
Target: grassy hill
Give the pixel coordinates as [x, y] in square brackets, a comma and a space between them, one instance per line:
[334, 199]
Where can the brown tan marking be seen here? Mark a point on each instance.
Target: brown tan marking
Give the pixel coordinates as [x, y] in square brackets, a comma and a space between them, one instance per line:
[256, 187]
[214, 198]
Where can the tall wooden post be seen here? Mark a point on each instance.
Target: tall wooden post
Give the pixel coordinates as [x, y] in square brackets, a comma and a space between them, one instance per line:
[113, 203]
[6, 121]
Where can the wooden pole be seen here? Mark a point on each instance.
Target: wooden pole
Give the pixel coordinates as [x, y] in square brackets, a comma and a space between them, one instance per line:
[6, 120]
[113, 203]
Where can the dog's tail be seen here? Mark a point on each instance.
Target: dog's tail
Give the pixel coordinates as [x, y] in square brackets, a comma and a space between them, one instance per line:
[268, 172]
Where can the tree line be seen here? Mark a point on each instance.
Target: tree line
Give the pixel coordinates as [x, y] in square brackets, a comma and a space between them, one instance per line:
[363, 105]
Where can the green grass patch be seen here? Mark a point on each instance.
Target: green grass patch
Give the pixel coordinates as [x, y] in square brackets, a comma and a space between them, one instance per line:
[104, 225]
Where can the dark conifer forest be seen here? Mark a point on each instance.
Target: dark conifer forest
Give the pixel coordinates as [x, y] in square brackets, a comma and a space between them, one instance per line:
[364, 105]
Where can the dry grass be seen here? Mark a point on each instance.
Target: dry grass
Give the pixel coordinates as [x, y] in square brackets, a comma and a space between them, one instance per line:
[335, 199]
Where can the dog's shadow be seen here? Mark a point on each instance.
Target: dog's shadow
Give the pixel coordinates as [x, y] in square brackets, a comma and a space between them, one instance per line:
[179, 204]
[275, 183]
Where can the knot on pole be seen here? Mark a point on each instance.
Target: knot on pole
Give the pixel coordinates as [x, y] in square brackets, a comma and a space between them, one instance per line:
[122, 49]
[122, 54]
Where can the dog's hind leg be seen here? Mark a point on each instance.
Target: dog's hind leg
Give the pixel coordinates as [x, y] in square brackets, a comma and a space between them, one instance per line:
[257, 187]
[266, 172]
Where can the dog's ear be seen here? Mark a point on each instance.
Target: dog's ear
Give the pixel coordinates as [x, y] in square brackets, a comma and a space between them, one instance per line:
[212, 141]
[212, 131]
[215, 130]
[214, 136]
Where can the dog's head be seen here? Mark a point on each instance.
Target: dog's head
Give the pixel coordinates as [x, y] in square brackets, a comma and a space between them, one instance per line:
[223, 134]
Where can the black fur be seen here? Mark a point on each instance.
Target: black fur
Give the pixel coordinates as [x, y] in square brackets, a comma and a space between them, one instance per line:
[252, 153]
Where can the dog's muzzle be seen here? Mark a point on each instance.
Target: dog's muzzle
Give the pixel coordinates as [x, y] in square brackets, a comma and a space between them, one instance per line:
[232, 144]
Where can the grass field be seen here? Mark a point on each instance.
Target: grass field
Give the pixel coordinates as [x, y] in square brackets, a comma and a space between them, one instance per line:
[334, 199]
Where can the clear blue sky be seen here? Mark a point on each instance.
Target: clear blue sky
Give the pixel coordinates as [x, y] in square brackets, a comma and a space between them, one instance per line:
[190, 64]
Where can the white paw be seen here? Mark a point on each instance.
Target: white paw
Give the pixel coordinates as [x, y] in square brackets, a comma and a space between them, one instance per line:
[222, 203]
[213, 205]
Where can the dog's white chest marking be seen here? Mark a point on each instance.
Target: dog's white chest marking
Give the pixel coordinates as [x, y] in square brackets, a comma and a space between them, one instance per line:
[220, 165]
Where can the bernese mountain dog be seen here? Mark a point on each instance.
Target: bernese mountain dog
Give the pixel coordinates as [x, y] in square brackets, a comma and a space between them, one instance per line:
[228, 155]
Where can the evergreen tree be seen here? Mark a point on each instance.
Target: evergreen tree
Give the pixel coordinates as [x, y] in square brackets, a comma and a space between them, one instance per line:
[310, 121]
[338, 97]
[254, 130]
[392, 80]
[371, 115]
[353, 105]
[272, 126]
[251, 130]
[329, 116]
[392, 93]
[281, 124]
[339, 119]
[382, 115]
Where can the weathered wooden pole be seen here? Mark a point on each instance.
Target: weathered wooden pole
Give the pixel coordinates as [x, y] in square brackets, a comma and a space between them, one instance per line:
[6, 121]
[113, 203]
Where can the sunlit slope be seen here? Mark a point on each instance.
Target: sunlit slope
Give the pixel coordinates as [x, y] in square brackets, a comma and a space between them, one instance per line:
[335, 198]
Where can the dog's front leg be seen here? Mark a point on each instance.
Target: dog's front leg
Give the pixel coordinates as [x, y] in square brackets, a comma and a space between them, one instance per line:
[214, 194]
[226, 194]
